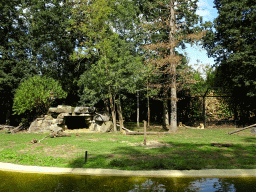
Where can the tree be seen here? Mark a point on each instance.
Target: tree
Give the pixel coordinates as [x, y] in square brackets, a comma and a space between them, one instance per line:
[51, 43]
[14, 61]
[117, 67]
[36, 93]
[233, 45]
[164, 20]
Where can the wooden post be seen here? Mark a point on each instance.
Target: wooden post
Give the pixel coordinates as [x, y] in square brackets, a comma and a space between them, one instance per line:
[138, 110]
[85, 160]
[145, 132]
[204, 110]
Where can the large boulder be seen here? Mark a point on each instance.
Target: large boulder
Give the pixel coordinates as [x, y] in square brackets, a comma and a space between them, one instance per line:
[84, 110]
[103, 127]
[62, 115]
[64, 109]
[100, 117]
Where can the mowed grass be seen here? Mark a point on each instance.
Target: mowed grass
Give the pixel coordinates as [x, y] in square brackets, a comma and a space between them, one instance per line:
[187, 149]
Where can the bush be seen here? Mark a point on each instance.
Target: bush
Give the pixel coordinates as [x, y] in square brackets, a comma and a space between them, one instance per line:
[36, 93]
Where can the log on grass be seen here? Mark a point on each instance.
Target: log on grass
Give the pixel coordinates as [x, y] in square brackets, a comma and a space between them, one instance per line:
[248, 127]
[124, 128]
[16, 129]
[148, 133]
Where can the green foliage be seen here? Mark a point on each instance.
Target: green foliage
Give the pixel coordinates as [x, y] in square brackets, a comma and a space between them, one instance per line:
[233, 45]
[36, 93]
[117, 67]
[14, 61]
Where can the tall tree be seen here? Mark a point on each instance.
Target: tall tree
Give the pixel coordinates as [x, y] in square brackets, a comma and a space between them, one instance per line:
[171, 24]
[233, 47]
[14, 61]
[117, 67]
[51, 43]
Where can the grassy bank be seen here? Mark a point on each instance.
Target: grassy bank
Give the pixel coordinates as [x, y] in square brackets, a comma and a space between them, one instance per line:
[185, 150]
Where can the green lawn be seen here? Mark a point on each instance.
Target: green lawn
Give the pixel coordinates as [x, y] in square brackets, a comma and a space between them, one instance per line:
[187, 149]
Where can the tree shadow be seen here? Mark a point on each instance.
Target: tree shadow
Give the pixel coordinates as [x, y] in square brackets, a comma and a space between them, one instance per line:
[179, 156]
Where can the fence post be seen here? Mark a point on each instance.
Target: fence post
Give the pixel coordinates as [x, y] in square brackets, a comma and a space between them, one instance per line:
[145, 132]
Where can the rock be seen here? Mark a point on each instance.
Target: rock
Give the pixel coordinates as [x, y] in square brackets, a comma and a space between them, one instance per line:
[84, 110]
[64, 109]
[100, 117]
[103, 126]
[64, 127]
[92, 126]
[52, 110]
[55, 128]
[253, 130]
[48, 117]
[34, 141]
[56, 119]
[62, 115]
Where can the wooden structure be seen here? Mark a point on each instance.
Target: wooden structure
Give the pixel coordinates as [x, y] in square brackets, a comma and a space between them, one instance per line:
[248, 127]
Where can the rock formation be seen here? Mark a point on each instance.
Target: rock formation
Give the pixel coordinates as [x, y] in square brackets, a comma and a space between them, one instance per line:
[56, 119]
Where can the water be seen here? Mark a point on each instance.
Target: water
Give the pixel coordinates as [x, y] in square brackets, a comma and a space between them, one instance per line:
[12, 181]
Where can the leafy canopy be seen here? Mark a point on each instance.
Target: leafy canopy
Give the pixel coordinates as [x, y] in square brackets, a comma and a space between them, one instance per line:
[36, 93]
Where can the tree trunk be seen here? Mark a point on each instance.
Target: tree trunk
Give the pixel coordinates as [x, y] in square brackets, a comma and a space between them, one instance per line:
[119, 111]
[138, 110]
[113, 111]
[148, 113]
[106, 105]
[173, 126]
[165, 113]
[148, 107]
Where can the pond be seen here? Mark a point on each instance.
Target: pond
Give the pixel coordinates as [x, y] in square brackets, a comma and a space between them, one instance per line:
[26, 182]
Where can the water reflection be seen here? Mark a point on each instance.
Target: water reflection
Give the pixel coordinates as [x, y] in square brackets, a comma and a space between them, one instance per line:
[11, 181]
[212, 185]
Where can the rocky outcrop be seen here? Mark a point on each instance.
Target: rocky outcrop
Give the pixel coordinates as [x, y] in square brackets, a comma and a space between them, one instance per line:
[101, 126]
[56, 118]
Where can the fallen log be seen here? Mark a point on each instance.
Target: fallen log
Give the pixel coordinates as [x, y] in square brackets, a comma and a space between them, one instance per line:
[248, 127]
[124, 128]
[148, 133]
[6, 127]
[16, 129]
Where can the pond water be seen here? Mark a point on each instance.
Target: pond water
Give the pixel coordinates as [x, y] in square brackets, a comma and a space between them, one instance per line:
[13, 181]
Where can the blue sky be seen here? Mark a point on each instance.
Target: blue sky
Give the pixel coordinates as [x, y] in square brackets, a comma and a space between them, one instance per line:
[206, 10]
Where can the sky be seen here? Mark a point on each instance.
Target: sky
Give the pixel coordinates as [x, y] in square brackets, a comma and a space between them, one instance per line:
[206, 10]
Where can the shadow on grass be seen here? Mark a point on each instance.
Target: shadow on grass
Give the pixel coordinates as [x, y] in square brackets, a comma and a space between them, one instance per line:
[185, 156]
[250, 139]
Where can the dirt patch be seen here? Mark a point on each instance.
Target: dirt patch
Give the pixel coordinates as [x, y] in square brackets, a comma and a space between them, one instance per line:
[113, 139]
[65, 151]
[95, 139]
[151, 144]
[79, 131]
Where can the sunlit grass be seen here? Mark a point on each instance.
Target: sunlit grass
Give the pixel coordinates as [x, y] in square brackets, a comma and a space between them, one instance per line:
[187, 149]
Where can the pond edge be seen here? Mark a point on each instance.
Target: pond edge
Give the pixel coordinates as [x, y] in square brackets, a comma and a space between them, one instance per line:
[140, 173]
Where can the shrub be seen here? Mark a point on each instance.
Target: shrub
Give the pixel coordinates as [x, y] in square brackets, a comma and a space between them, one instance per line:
[36, 93]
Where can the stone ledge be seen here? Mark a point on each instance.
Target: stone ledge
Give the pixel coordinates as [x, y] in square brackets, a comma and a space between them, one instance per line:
[113, 172]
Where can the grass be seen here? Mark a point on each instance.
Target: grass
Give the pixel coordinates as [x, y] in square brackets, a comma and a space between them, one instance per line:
[187, 149]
